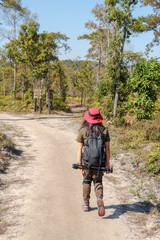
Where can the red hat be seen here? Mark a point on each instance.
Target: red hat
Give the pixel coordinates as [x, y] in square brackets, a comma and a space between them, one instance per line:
[93, 116]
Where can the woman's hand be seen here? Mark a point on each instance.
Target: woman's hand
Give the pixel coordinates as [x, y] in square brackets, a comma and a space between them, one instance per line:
[107, 144]
[108, 167]
[82, 171]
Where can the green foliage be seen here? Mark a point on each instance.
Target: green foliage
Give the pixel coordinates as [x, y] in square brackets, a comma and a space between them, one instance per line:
[31, 60]
[118, 121]
[136, 192]
[105, 105]
[16, 5]
[152, 20]
[7, 104]
[120, 14]
[7, 146]
[37, 50]
[59, 104]
[59, 84]
[146, 81]
[153, 160]
[28, 97]
[84, 78]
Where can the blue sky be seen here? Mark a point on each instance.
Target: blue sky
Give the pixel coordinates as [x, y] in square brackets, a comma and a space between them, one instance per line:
[69, 17]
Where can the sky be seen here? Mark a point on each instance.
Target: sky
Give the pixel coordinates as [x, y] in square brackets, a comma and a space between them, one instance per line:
[69, 17]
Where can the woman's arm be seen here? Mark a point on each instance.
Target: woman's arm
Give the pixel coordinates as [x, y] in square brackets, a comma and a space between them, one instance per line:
[79, 152]
[107, 145]
[79, 155]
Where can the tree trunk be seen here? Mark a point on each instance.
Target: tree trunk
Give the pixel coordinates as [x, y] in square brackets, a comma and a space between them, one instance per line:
[120, 68]
[98, 72]
[22, 89]
[14, 86]
[115, 103]
[4, 89]
[99, 67]
[11, 84]
[84, 99]
[47, 89]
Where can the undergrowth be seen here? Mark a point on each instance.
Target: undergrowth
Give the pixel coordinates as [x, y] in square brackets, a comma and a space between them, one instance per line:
[141, 139]
[27, 106]
[7, 148]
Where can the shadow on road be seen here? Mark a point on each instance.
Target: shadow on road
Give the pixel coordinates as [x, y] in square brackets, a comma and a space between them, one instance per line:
[120, 209]
[139, 207]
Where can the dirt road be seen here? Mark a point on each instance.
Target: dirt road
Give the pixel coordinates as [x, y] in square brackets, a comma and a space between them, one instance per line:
[53, 209]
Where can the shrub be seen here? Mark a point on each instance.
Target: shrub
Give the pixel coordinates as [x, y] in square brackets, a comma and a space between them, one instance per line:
[19, 96]
[59, 104]
[145, 82]
[153, 160]
[153, 133]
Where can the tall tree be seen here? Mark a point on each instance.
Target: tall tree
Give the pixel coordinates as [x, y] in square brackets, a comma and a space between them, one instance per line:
[120, 12]
[13, 56]
[5, 73]
[37, 50]
[99, 38]
[59, 85]
[85, 81]
[12, 17]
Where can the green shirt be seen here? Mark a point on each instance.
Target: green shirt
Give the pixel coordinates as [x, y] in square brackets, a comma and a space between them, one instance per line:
[82, 136]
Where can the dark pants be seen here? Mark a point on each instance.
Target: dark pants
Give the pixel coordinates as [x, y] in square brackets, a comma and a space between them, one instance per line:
[97, 180]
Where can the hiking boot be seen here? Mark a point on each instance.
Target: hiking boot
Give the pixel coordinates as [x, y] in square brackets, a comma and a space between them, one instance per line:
[100, 204]
[85, 207]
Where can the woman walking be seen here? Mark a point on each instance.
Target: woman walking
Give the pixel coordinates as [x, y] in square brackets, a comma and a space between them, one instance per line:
[92, 127]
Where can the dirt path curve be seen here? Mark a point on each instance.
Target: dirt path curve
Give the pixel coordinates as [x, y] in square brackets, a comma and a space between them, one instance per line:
[55, 195]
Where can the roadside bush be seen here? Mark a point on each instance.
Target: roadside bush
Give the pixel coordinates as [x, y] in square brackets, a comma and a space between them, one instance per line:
[6, 147]
[153, 160]
[28, 97]
[59, 104]
[19, 96]
[105, 105]
[153, 133]
[119, 121]
[145, 82]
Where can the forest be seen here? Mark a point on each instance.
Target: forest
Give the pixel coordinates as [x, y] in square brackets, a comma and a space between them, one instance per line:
[125, 85]
[118, 81]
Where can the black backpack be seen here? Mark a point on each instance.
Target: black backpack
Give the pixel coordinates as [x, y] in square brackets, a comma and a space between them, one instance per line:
[94, 152]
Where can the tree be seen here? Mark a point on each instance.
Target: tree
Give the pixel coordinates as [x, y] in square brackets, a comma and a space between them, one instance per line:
[13, 56]
[115, 24]
[12, 15]
[99, 38]
[5, 73]
[120, 13]
[59, 84]
[11, 4]
[84, 81]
